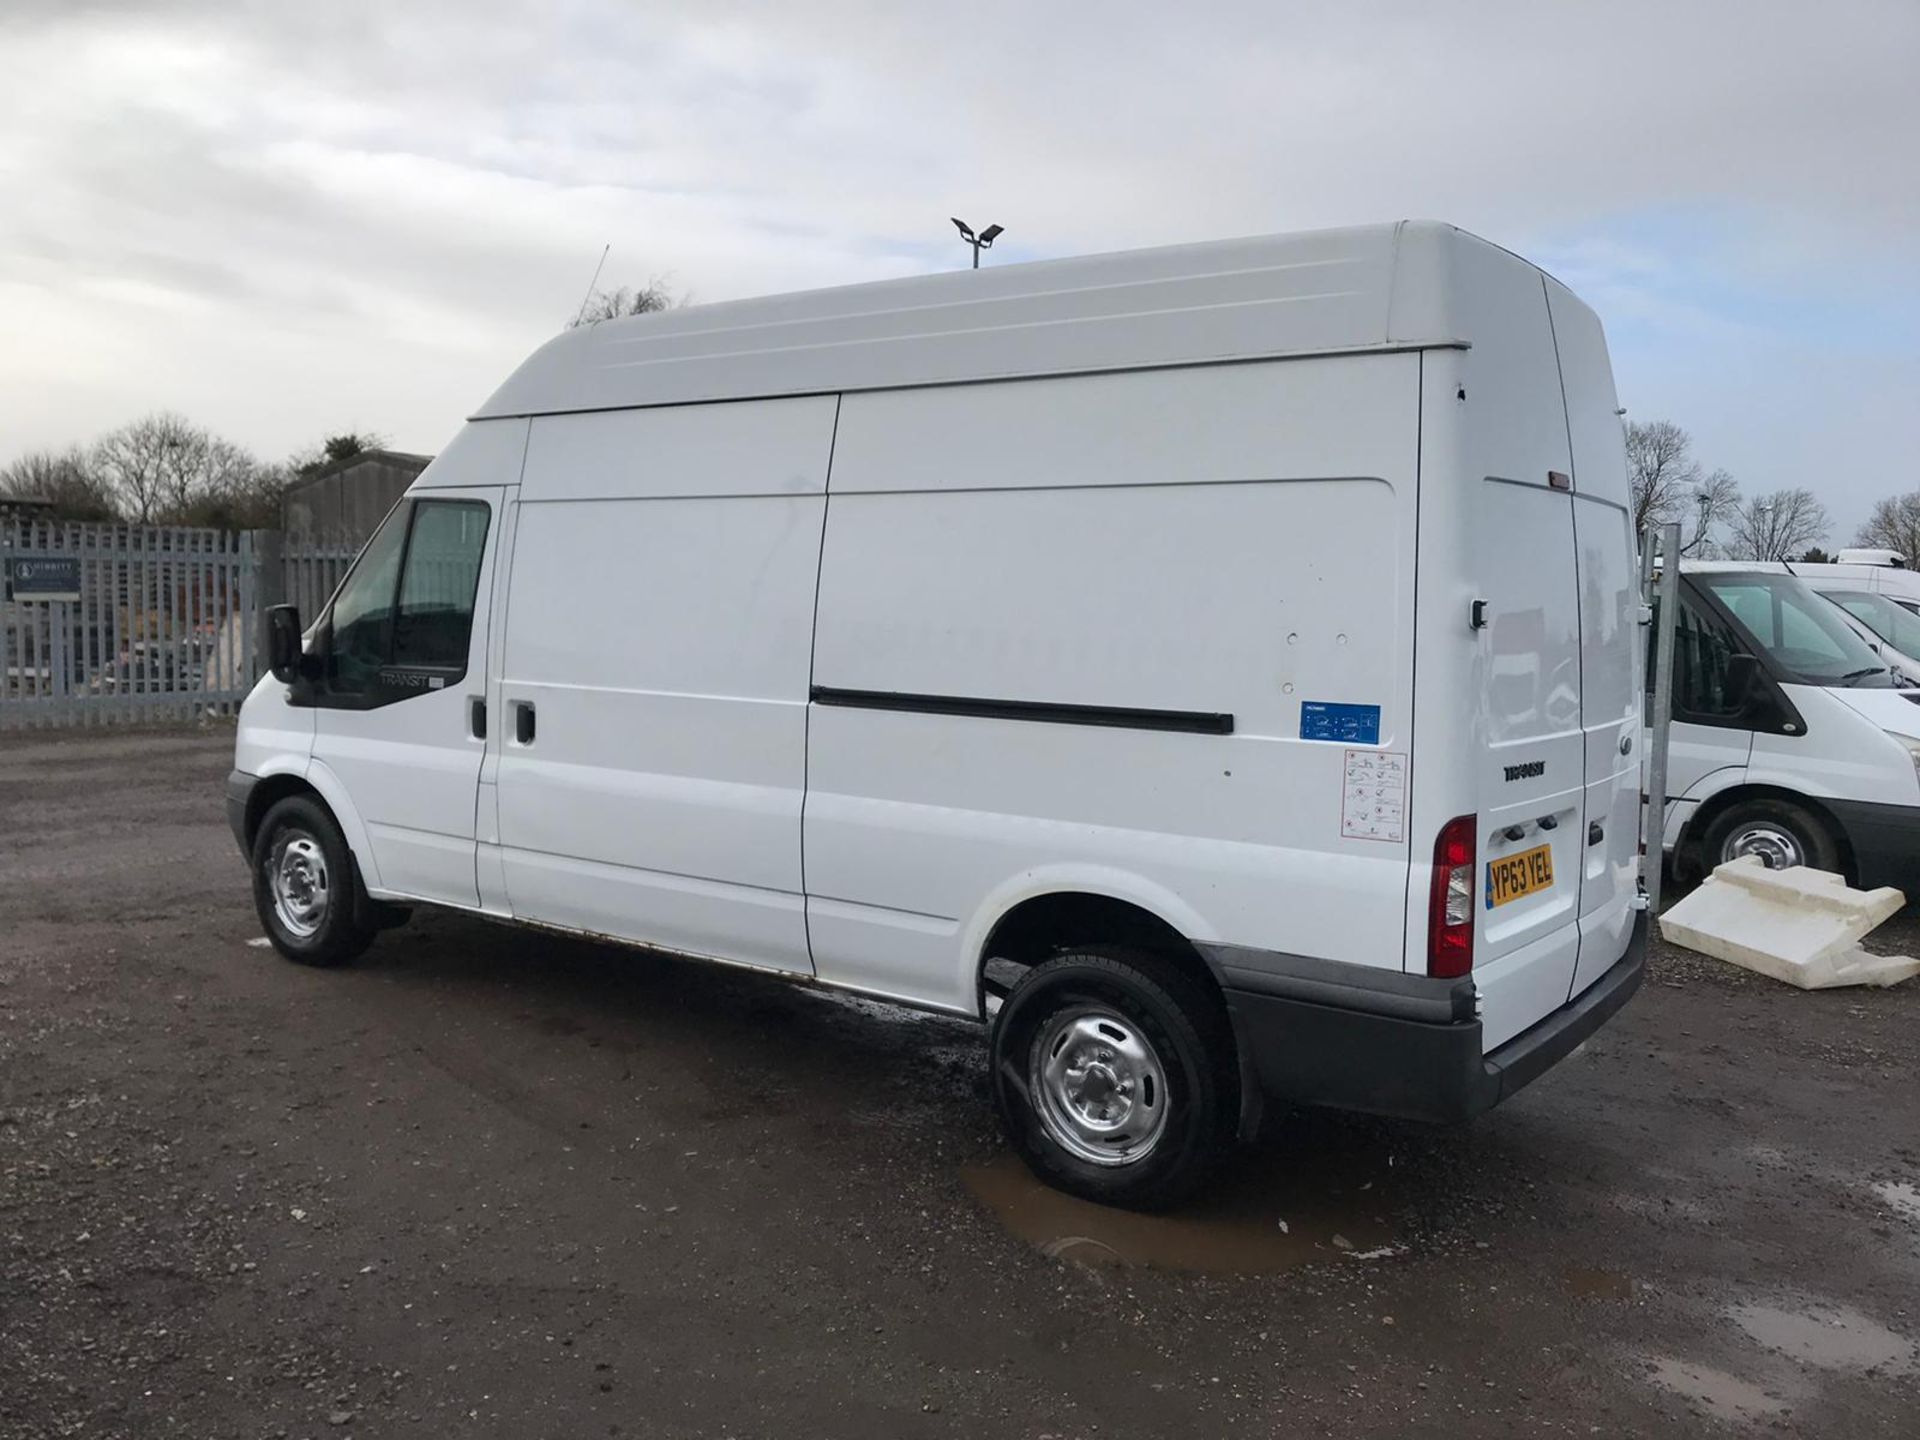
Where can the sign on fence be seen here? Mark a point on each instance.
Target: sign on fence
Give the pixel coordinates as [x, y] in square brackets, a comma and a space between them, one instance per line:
[110, 624]
[145, 623]
[44, 577]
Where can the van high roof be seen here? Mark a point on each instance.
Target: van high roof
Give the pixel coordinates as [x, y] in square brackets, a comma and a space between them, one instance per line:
[1367, 289]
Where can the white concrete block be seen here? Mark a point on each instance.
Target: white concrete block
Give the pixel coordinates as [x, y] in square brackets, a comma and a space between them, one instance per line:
[1801, 926]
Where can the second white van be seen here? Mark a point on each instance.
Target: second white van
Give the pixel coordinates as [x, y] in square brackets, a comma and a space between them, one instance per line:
[993, 643]
[1792, 739]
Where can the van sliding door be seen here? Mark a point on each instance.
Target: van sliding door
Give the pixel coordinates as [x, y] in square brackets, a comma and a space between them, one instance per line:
[653, 697]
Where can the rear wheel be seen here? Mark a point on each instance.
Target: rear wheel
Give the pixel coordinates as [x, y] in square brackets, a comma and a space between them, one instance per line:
[305, 887]
[1114, 1074]
[1779, 832]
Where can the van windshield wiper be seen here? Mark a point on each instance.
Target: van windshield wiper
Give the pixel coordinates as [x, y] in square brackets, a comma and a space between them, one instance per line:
[1853, 675]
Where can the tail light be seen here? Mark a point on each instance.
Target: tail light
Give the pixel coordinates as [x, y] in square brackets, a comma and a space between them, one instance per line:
[1450, 902]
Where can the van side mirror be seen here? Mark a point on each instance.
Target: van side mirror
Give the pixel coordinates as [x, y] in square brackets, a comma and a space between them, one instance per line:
[283, 642]
[1743, 679]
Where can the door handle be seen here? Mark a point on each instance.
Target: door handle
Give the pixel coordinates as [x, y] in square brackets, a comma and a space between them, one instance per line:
[477, 716]
[523, 721]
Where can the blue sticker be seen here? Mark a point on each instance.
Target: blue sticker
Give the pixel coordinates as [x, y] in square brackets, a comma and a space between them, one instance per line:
[1350, 724]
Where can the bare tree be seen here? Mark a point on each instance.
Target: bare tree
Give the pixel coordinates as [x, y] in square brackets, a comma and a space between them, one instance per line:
[1894, 525]
[142, 461]
[66, 479]
[1715, 503]
[1772, 527]
[615, 304]
[163, 465]
[1667, 484]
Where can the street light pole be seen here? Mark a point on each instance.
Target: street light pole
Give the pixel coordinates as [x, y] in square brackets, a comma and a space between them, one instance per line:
[983, 241]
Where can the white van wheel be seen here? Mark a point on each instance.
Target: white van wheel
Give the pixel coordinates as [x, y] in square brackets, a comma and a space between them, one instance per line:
[1115, 1075]
[1098, 1086]
[305, 888]
[1780, 834]
[302, 889]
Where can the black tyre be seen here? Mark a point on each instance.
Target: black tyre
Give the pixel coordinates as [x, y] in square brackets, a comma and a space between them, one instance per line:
[1115, 1076]
[305, 886]
[1781, 833]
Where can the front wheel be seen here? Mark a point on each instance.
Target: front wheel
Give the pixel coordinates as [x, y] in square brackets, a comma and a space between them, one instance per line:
[1115, 1077]
[305, 887]
[1780, 833]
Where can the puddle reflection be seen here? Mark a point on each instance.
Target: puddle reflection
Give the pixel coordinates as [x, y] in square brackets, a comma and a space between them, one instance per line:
[1831, 1337]
[1262, 1218]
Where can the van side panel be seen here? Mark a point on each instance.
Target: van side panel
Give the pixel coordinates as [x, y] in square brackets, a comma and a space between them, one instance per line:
[659, 618]
[1234, 541]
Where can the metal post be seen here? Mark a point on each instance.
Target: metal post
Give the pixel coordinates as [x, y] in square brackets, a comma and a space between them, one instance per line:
[1666, 587]
[269, 551]
[8, 544]
[57, 621]
[251, 615]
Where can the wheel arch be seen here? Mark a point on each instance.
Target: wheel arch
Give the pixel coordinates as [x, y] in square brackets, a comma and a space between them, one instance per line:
[268, 792]
[1037, 923]
[317, 781]
[1044, 924]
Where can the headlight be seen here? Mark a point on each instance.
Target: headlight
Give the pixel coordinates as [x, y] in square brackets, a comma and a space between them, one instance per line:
[1911, 746]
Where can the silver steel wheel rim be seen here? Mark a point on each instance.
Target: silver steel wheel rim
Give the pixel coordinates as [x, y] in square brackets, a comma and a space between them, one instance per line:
[297, 873]
[1778, 848]
[1098, 1086]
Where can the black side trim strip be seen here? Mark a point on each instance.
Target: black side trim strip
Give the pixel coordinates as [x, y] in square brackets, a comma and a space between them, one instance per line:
[1196, 722]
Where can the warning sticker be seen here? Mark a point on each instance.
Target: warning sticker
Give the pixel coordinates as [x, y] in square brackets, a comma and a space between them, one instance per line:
[1373, 802]
[1325, 720]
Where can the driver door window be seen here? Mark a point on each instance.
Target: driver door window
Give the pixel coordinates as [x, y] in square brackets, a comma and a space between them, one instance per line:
[363, 610]
[1701, 648]
[402, 623]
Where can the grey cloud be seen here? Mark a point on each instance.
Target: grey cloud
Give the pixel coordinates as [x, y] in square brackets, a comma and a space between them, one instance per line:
[428, 184]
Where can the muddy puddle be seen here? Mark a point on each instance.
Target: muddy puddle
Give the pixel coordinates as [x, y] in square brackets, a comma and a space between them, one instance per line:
[1726, 1397]
[1262, 1219]
[1827, 1337]
[1591, 1283]
[1901, 1197]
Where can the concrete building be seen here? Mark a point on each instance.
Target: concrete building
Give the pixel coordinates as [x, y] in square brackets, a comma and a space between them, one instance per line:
[342, 504]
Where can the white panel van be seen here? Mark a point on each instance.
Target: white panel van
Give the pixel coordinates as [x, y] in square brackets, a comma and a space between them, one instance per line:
[1215, 668]
[1793, 739]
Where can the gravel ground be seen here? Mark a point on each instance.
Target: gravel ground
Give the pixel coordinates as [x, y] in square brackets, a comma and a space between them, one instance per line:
[498, 1183]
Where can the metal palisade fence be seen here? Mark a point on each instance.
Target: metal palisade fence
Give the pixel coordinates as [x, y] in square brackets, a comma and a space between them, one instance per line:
[311, 571]
[115, 624]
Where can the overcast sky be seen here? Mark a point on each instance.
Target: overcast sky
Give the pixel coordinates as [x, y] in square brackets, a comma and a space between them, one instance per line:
[288, 219]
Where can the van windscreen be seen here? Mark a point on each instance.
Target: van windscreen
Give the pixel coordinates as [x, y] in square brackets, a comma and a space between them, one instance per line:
[1799, 630]
[1895, 624]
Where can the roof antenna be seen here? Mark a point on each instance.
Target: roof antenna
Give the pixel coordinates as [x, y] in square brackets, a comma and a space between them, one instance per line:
[591, 283]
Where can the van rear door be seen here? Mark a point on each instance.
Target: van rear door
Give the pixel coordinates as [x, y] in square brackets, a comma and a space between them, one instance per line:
[1529, 782]
[1532, 769]
[1610, 702]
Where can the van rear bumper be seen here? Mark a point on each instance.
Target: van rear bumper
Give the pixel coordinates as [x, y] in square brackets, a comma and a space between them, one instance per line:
[1355, 1053]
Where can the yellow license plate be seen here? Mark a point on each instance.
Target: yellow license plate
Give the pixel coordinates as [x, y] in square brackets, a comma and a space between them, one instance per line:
[1512, 876]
